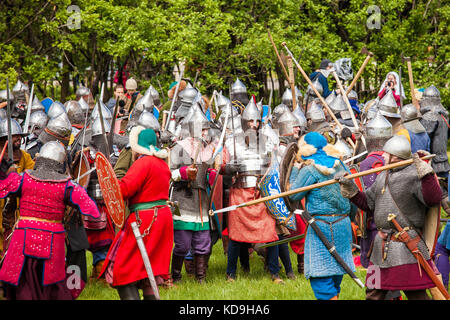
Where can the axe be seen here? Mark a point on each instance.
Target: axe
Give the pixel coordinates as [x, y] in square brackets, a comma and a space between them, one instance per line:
[411, 81]
[361, 69]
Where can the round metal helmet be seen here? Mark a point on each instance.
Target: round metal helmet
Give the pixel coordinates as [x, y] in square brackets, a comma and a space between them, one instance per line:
[277, 113]
[3, 114]
[4, 95]
[97, 127]
[38, 119]
[106, 113]
[398, 146]
[189, 94]
[197, 122]
[19, 87]
[410, 119]
[56, 108]
[286, 123]
[149, 121]
[330, 97]
[287, 97]
[53, 150]
[315, 113]
[353, 95]
[60, 125]
[83, 104]
[16, 129]
[316, 85]
[250, 113]
[300, 116]
[238, 87]
[388, 106]
[338, 104]
[379, 127]
[82, 91]
[37, 105]
[431, 92]
[236, 118]
[343, 148]
[74, 112]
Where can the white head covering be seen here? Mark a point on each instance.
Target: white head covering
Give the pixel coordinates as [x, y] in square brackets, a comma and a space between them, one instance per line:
[397, 86]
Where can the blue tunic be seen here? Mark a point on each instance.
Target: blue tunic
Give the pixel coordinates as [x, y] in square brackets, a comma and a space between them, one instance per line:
[325, 202]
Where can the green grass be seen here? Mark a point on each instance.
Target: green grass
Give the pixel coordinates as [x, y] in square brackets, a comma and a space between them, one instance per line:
[256, 285]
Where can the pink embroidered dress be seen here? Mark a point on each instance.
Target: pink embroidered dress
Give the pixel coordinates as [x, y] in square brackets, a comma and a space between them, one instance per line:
[39, 233]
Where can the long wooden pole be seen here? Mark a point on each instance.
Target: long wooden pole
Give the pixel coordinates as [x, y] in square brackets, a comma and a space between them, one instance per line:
[322, 184]
[411, 84]
[292, 82]
[360, 71]
[283, 68]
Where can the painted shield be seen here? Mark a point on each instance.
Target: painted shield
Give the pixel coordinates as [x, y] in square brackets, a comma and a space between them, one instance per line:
[287, 162]
[361, 217]
[269, 186]
[431, 228]
[110, 189]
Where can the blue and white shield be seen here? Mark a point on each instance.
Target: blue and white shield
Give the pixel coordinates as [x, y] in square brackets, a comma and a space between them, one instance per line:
[269, 186]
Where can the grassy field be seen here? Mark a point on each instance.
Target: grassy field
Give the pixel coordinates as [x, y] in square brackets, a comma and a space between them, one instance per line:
[256, 285]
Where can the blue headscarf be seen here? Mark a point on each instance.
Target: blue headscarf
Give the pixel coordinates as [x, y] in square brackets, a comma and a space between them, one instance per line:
[320, 157]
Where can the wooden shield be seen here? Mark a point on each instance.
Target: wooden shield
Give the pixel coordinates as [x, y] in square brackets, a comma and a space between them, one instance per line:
[287, 162]
[110, 189]
[431, 227]
[76, 171]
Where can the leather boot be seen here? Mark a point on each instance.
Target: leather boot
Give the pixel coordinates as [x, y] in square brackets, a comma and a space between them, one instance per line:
[189, 267]
[177, 265]
[300, 263]
[200, 261]
[128, 292]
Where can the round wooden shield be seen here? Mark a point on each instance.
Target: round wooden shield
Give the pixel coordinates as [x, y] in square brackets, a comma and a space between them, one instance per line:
[287, 162]
[110, 189]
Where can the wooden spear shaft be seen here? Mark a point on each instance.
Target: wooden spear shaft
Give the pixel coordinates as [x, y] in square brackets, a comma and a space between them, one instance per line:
[322, 184]
[283, 68]
[358, 74]
[292, 82]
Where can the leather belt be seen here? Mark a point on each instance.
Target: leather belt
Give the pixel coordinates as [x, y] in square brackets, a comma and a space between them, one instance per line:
[40, 219]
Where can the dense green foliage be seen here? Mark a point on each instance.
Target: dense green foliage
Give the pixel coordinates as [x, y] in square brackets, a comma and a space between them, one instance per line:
[41, 42]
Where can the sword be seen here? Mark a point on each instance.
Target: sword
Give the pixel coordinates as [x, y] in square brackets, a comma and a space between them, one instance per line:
[321, 184]
[331, 248]
[174, 98]
[275, 243]
[405, 238]
[143, 251]
[27, 118]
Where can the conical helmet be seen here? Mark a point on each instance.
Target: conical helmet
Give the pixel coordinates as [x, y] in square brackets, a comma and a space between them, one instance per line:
[431, 92]
[315, 112]
[4, 95]
[250, 113]
[97, 127]
[388, 106]
[60, 125]
[338, 104]
[287, 97]
[222, 101]
[232, 123]
[278, 111]
[189, 94]
[316, 85]
[286, 123]
[154, 94]
[145, 103]
[37, 105]
[300, 116]
[197, 122]
[398, 146]
[19, 87]
[379, 127]
[343, 148]
[238, 87]
[84, 105]
[74, 112]
[56, 108]
[38, 119]
[106, 113]
[431, 100]
[16, 129]
[410, 119]
[149, 121]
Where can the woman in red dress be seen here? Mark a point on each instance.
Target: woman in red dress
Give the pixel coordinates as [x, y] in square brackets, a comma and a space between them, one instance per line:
[146, 188]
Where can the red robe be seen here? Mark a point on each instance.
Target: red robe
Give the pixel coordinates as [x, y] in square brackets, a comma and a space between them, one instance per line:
[147, 180]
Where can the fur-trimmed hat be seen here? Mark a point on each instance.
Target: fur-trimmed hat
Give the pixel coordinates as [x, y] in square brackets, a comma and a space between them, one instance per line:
[314, 149]
[143, 141]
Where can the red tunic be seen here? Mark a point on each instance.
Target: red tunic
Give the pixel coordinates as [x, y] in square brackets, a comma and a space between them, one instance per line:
[147, 180]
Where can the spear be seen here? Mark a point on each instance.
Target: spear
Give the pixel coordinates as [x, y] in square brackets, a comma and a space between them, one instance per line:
[320, 184]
